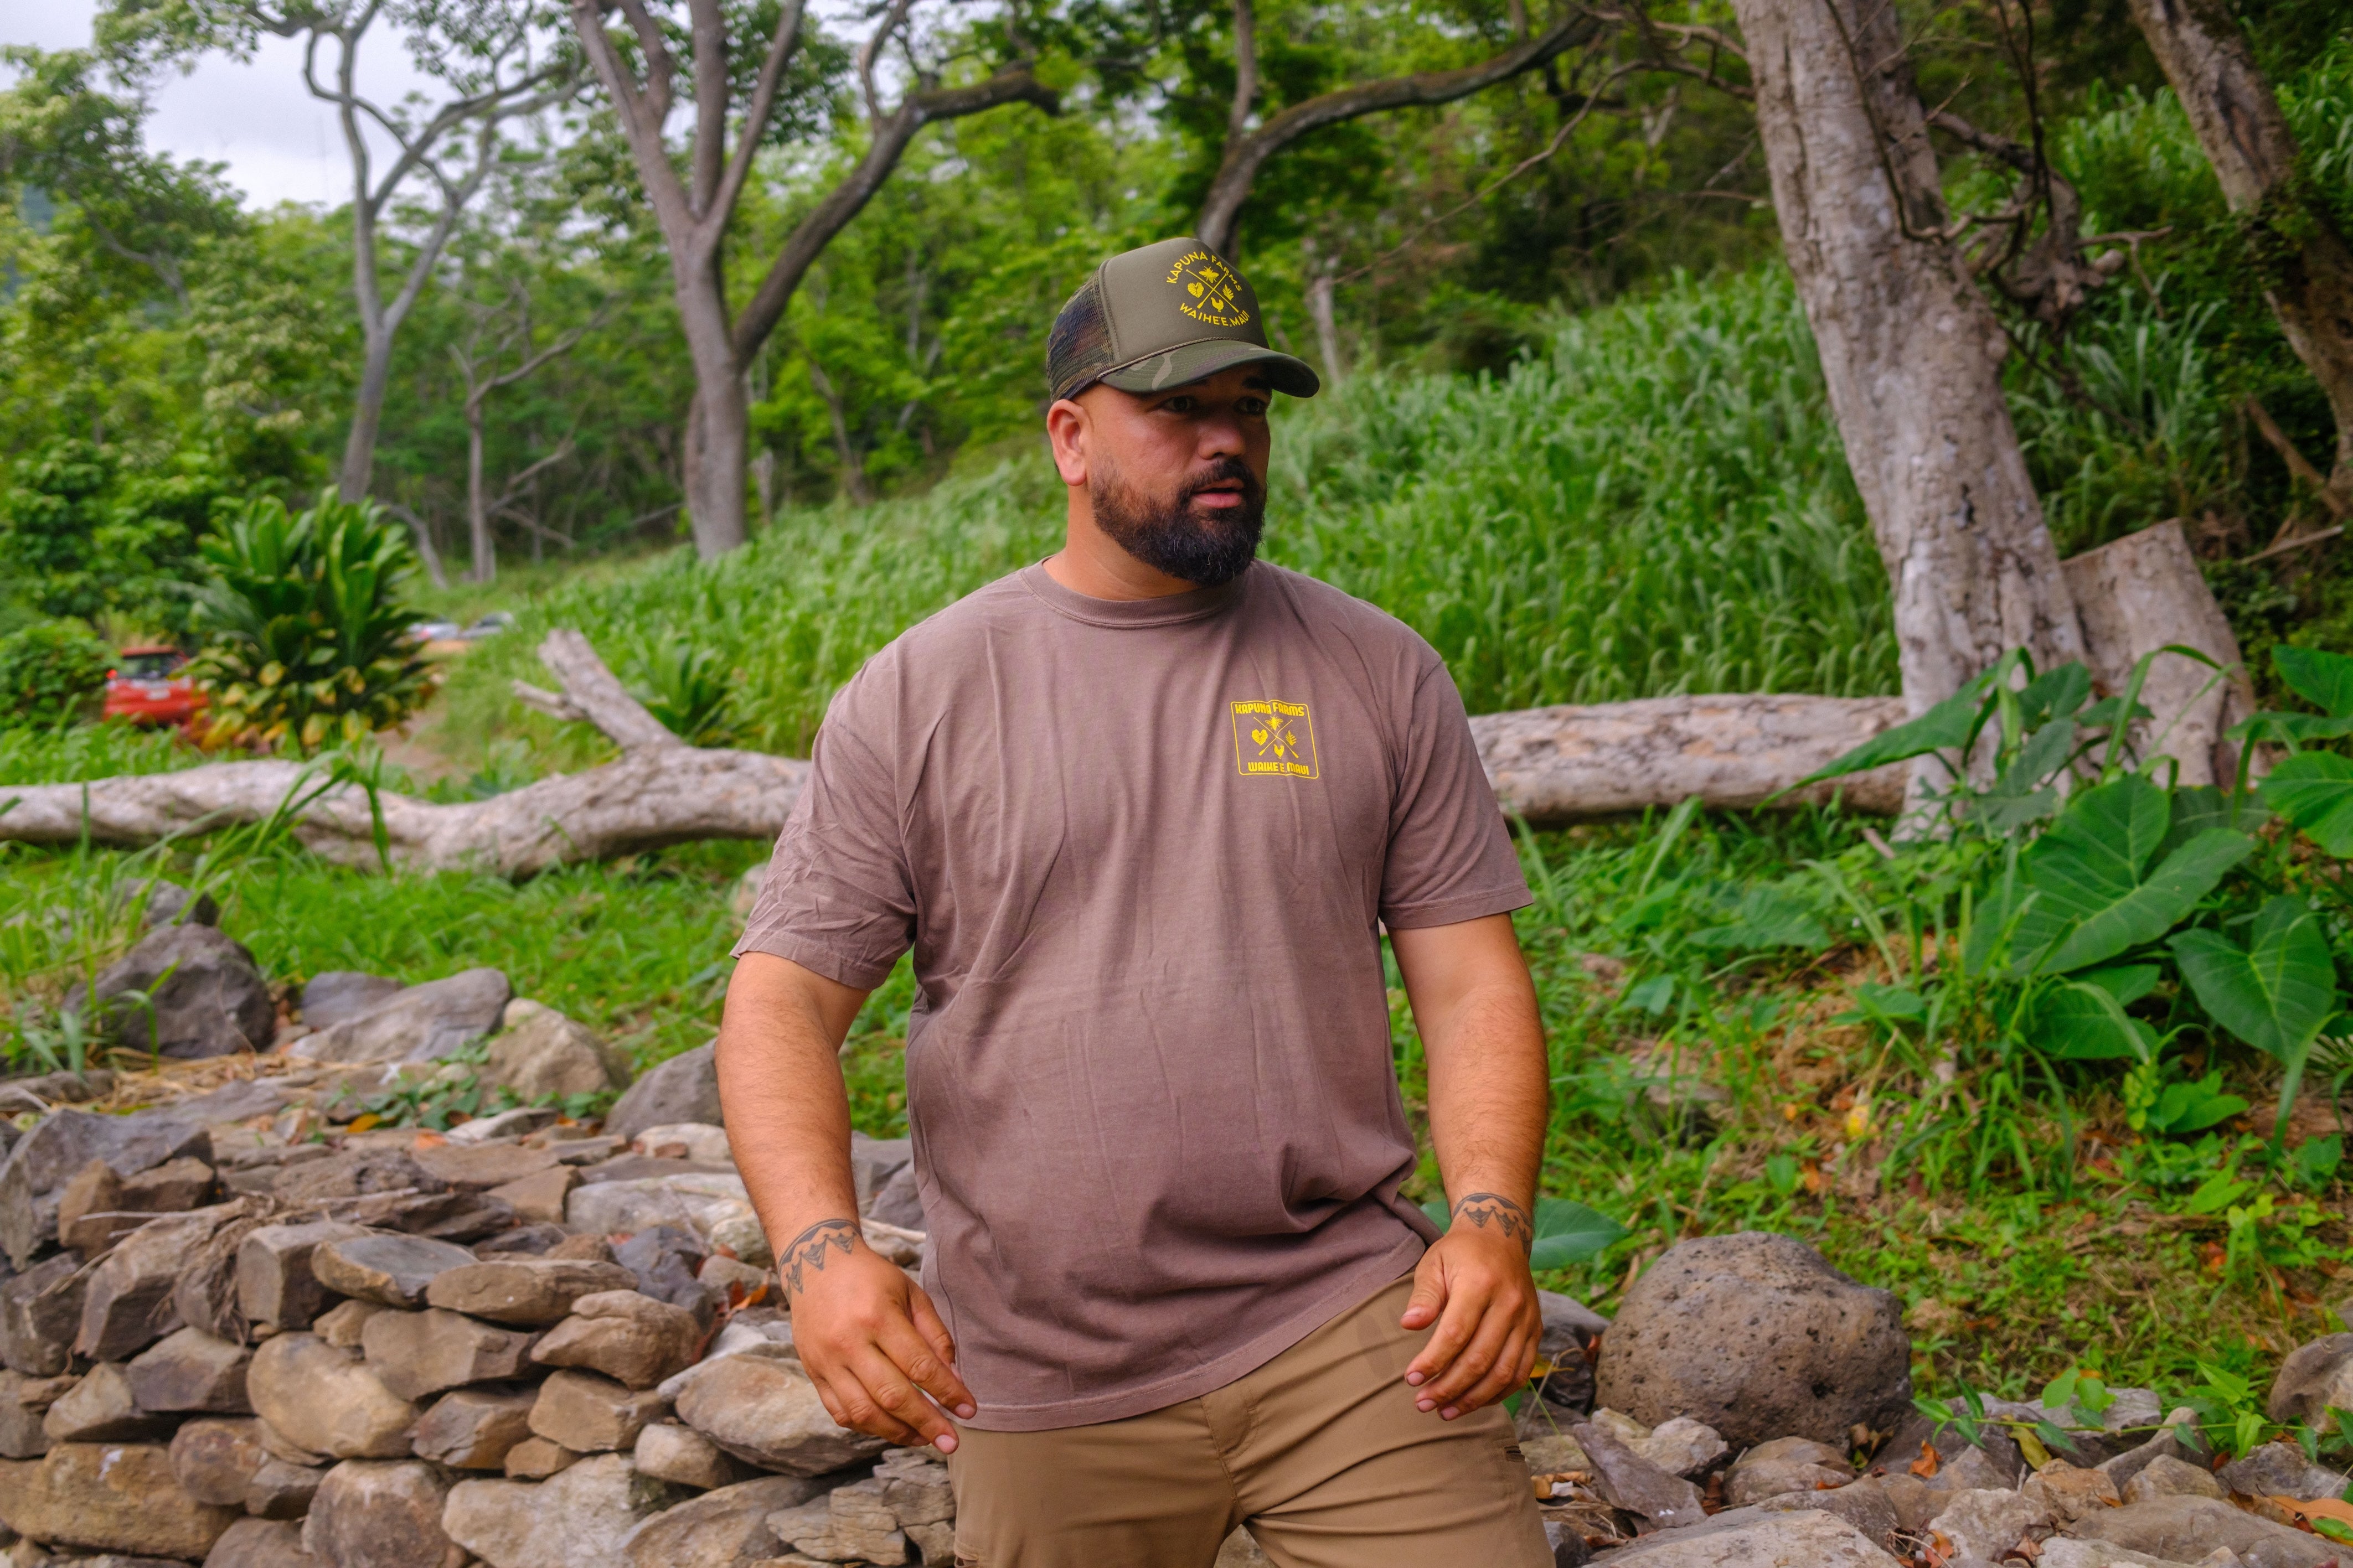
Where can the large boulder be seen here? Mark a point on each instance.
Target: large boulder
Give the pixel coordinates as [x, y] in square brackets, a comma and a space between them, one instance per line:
[374, 1513]
[541, 1052]
[764, 1409]
[205, 996]
[1756, 1336]
[39, 1164]
[109, 1497]
[338, 996]
[724, 1529]
[327, 1401]
[580, 1517]
[417, 1024]
[683, 1089]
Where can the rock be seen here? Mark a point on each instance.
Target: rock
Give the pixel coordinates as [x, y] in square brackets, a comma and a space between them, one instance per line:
[2069, 1491]
[728, 1275]
[274, 1281]
[447, 1217]
[239, 1099]
[97, 1208]
[701, 1142]
[389, 1271]
[261, 1543]
[1804, 1539]
[40, 1313]
[127, 1304]
[536, 1458]
[765, 1410]
[915, 1484]
[578, 1519]
[2178, 1438]
[481, 1167]
[1755, 1335]
[2280, 1469]
[1683, 1447]
[41, 1093]
[100, 1409]
[693, 1201]
[541, 1053]
[1784, 1465]
[727, 1528]
[1625, 1480]
[418, 1353]
[590, 1413]
[2313, 1378]
[108, 1496]
[281, 1446]
[417, 1024]
[281, 1489]
[475, 1428]
[338, 996]
[1987, 1524]
[515, 1123]
[683, 1089]
[1865, 1504]
[327, 1401]
[361, 1171]
[587, 1248]
[671, 1452]
[1919, 1440]
[529, 1290]
[374, 1513]
[538, 1239]
[191, 1369]
[540, 1196]
[23, 1403]
[667, 1264]
[2185, 1529]
[205, 996]
[39, 1166]
[2164, 1475]
[901, 1201]
[168, 903]
[852, 1523]
[344, 1324]
[2060, 1552]
[215, 1461]
[206, 1296]
[625, 1335]
[1570, 1329]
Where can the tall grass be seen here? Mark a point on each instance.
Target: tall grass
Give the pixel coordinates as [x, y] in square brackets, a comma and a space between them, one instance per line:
[1658, 504]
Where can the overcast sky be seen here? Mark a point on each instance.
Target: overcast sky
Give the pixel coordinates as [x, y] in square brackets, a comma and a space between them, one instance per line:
[281, 144]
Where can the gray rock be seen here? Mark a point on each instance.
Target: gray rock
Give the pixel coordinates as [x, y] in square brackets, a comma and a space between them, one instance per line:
[683, 1089]
[2069, 1491]
[274, 1281]
[327, 1401]
[668, 1451]
[338, 996]
[1626, 1480]
[262, 1543]
[2164, 1475]
[475, 1428]
[899, 1202]
[580, 1517]
[378, 1513]
[109, 1497]
[541, 1052]
[479, 1167]
[100, 1409]
[532, 1291]
[205, 996]
[355, 1173]
[44, 1160]
[2280, 1469]
[2059, 1552]
[98, 1208]
[1998, 1462]
[668, 1264]
[419, 1024]
[169, 904]
[1865, 1504]
[727, 1528]
[765, 1410]
[589, 1414]
[23, 1403]
[42, 1093]
[1570, 1329]
[2185, 1529]
[1987, 1524]
[282, 1490]
[873, 1161]
[626, 1335]
[389, 1271]
[240, 1100]
[40, 1313]
[1759, 1337]
[1804, 1539]
[127, 1304]
[1683, 1447]
[190, 1370]
[915, 1484]
[418, 1353]
[1784, 1465]
[2312, 1379]
[216, 1460]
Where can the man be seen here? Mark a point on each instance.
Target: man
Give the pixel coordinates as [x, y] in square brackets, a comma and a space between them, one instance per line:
[1140, 811]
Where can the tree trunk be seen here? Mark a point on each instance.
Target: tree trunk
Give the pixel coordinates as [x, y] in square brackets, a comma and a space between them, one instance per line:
[1910, 350]
[2305, 264]
[484, 567]
[718, 424]
[367, 413]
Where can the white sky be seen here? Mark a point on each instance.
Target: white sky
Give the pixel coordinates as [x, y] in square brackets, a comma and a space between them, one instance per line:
[281, 144]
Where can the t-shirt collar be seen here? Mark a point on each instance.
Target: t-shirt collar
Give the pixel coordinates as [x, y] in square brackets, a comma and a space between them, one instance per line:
[1169, 610]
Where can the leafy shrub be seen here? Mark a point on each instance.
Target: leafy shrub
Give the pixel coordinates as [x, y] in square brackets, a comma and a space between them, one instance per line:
[51, 671]
[687, 686]
[308, 640]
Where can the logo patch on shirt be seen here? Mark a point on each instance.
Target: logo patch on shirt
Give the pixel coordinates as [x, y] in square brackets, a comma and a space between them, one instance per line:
[1274, 738]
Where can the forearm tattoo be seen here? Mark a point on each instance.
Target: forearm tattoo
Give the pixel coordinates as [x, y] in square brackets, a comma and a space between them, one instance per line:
[807, 1250]
[1496, 1212]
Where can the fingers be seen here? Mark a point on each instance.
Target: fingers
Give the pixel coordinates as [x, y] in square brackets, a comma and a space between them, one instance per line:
[1510, 1370]
[951, 1391]
[1428, 1297]
[1455, 1325]
[1484, 1330]
[847, 1401]
[913, 1354]
[895, 1401]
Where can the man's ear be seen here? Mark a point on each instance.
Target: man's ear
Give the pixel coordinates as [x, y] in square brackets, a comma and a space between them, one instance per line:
[1067, 429]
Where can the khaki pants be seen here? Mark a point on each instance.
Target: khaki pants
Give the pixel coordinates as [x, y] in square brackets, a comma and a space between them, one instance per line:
[1320, 1453]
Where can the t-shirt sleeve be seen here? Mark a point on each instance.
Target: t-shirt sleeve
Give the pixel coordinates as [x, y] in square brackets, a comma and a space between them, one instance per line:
[838, 898]
[1450, 856]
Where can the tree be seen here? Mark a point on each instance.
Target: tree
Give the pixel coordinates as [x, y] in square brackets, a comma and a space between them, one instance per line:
[2301, 254]
[489, 56]
[501, 330]
[696, 205]
[1910, 350]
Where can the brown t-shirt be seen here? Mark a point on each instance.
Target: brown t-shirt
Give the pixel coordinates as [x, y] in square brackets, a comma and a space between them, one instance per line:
[1140, 850]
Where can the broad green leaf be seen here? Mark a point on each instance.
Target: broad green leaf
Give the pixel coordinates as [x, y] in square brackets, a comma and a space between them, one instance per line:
[2127, 983]
[1769, 916]
[2054, 694]
[2322, 679]
[2093, 908]
[1945, 726]
[2044, 753]
[2277, 990]
[2084, 1023]
[2217, 1192]
[2315, 791]
[2194, 1107]
[1893, 1001]
[2293, 727]
[2198, 807]
[1568, 1232]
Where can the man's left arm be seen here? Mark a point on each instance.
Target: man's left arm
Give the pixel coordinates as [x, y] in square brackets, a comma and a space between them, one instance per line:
[1475, 1008]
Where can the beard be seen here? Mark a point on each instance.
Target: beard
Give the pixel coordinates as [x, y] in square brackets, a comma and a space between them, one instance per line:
[1199, 546]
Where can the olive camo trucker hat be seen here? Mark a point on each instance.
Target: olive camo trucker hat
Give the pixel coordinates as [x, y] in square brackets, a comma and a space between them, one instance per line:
[1160, 317]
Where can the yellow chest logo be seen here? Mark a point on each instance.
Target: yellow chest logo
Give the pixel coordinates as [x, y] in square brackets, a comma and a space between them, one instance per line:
[1275, 739]
[1212, 293]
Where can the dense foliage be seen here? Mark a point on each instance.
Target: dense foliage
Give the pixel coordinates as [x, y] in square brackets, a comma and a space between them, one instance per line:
[51, 672]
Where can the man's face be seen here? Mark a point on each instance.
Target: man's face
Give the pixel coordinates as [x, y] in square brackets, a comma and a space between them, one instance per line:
[1177, 478]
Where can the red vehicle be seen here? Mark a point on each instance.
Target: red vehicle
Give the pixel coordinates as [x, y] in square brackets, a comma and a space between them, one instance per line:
[147, 687]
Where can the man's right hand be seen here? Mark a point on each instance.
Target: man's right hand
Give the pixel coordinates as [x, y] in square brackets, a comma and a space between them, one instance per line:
[871, 1340]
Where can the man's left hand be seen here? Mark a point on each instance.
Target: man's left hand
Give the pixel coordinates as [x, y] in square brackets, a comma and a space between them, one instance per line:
[1474, 1283]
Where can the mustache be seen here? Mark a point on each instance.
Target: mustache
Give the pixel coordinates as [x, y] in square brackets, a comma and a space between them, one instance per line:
[1225, 471]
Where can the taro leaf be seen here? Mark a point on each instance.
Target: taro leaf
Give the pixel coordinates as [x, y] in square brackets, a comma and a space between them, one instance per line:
[2197, 807]
[1566, 1232]
[2277, 990]
[1769, 916]
[2315, 791]
[1945, 726]
[1999, 813]
[2127, 983]
[2322, 679]
[2088, 868]
[2103, 712]
[2194, 1107]
[2044, 753]
[2084, 1023]
[2293, 727]
[2054, 694]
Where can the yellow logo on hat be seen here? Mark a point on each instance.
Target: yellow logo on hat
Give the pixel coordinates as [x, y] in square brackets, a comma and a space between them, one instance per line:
[1212, 293]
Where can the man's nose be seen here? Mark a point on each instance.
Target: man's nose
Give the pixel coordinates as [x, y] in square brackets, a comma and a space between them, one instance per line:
[1220, 434]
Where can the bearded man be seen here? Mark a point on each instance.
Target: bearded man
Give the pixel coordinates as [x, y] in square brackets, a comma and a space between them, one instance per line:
[1141, 812]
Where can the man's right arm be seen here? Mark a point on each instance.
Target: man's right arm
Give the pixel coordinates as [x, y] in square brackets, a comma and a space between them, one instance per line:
[868, 1336]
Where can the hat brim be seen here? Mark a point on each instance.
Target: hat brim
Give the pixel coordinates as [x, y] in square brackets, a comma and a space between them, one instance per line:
[1189, 362]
